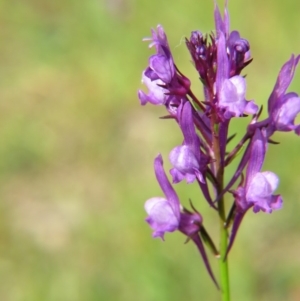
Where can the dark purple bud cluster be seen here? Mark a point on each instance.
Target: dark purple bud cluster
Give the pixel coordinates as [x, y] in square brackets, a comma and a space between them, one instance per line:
[204, 56]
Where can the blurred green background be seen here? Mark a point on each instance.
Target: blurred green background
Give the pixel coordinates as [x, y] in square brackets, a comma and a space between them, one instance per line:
[76, 154]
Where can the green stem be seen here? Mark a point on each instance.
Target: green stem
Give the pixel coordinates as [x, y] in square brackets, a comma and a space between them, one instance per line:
[218, 170]
[223, 264]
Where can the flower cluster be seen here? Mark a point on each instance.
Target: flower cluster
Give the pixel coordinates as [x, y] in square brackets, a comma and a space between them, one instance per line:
[219, 58]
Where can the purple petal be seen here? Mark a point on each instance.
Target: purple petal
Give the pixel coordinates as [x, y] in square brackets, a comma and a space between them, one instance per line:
[247, 56]
[269, 204]
[151, 74]
[222, 63]
[190, 223]
[284, 79]
[221, 26]
[272, 180]
[218, 20]
[163, 67]
[262, 185]
[159, 40]
[161, 216]
[226, 19]
[156, 94]
[233, 37]
[276, 202]
[260, 191]
[257, 155]
[251, 108]
[240, 199]
[286, 114]
[177, 176]
[165, 185]
[188, 129]
[184, 160]
[232, 95]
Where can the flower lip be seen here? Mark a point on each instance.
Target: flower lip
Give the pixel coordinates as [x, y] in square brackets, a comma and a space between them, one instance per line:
[232, 97]
[161, 216]
[156, 94]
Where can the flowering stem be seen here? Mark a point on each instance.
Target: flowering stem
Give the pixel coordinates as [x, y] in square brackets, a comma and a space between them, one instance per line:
[223, 260]
[219, 172]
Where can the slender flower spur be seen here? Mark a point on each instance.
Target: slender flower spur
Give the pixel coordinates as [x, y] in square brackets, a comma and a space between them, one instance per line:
[204, 154]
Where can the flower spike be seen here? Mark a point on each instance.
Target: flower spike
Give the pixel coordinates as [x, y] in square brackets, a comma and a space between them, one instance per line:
[203, 154]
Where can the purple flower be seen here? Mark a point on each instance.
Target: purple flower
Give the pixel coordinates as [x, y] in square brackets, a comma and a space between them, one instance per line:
[258, 189]
[260, 192]
[259, 186]
[186, 158]
[166, 85]
[163, 214]
[160, 71]
[284, 107]
[167, 215]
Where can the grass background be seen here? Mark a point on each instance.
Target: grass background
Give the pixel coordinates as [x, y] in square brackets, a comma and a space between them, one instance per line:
[76, 154]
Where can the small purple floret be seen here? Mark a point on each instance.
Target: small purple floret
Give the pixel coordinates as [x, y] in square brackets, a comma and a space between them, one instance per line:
[259, 186]
[284, 107]
[167, 215]
[166, 85]
[257, 189]
[163, 213]
[186, 159]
